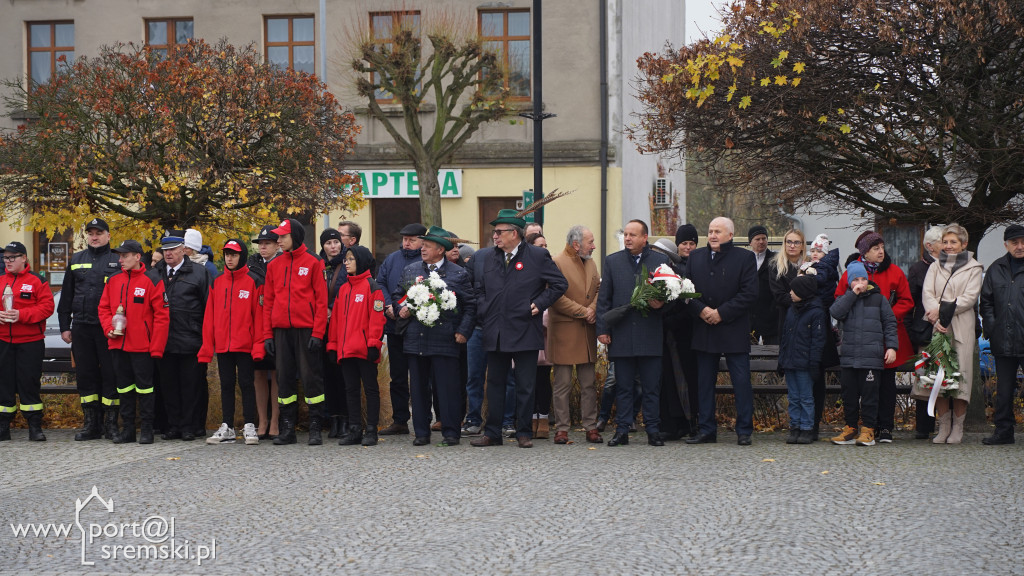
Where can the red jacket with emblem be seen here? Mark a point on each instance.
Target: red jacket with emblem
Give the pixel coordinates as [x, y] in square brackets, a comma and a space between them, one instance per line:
[33, 300]
[295, 294]
[234, 316]
[142, 295]
[358, 318]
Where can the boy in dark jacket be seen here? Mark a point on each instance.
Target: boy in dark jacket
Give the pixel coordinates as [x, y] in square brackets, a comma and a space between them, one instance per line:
[356, 337]
[869, 342]
[232, 328]
[803, 339]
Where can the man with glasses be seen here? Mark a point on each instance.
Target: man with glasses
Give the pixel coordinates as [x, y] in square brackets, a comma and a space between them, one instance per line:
[518, 283]
[87, 273]
[350, 233]
[27, 303]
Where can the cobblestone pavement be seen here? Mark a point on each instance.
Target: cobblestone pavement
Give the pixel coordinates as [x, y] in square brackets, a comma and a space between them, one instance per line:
[909, 507]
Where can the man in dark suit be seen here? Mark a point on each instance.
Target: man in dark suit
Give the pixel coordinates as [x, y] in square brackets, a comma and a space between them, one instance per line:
[726, 276]
[433, 351]
[518, 283]
[764, 315]
[634, 341]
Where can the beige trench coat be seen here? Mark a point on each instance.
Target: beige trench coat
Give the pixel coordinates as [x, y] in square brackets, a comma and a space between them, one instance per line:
[964, 286]
[571, 340]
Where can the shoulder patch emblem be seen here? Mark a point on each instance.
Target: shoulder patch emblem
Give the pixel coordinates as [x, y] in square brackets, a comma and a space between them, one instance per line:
[327, 275]
[378, 305]
[261, 299]
[167, 301]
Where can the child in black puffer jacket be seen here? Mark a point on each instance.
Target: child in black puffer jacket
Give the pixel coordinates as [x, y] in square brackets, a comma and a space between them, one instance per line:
[802, 342]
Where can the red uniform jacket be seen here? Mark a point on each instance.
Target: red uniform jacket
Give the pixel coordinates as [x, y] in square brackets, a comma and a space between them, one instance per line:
[357, 318]
[295, 294]
[234, 316]
[892, 284]
[34, 302]
[142, 295]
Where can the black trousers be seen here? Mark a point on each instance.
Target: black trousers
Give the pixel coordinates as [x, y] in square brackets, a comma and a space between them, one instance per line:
[627, 369]
[179, 377]
[498, 364]
[354, 371]
[887, 400]
[398, 363]
[542, 397]
[295, 360]
[94, 367]
[135, 383]
[1006, 391]
[674, 421]
[228, 364]
[860, 389]
[25, 361]
[334, 386]
[443, 371]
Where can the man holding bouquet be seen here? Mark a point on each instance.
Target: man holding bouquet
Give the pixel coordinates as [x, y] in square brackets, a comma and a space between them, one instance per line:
[633, 334]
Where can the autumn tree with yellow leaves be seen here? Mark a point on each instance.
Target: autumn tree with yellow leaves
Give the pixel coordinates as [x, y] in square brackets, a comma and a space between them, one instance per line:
[209, 136]
[905, 111]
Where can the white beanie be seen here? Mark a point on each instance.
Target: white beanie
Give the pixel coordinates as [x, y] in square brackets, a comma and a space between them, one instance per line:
[821, 242]
[193, 239]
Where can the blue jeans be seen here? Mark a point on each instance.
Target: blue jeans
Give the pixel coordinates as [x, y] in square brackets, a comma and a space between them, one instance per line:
[477, 360]
[800, 386]
[739, 373]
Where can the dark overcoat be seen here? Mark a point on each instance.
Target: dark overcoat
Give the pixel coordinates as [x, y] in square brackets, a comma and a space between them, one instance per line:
[634, 335]
[764, 315]
[729, 284]
[504, 294]
[439, 339]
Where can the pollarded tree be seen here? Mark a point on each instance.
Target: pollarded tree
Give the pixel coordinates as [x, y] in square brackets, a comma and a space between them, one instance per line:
[910, 111]
[209, 136]
[462, 79]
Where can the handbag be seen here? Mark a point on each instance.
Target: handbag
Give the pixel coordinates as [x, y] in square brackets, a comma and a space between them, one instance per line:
[917, 389]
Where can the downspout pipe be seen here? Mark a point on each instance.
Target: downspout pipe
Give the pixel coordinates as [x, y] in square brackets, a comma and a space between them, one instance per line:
[603, 51]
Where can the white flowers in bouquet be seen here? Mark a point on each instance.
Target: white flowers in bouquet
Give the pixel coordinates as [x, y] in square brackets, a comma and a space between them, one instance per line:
[428, 297]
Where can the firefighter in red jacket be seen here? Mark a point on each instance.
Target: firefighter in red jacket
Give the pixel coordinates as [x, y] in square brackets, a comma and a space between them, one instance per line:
[234, 319]
[27, 303]
[134, 316]
[357, 327]
[294, 321]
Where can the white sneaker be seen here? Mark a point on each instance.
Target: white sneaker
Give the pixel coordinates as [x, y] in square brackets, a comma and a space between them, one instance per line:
[251, 437]
[224, 435]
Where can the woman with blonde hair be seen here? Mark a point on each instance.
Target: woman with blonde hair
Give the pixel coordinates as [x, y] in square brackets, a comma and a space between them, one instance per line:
[785, 267]
[951, 289]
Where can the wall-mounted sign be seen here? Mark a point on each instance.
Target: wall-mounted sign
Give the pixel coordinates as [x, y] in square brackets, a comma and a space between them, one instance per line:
[57, 256]
[405, 184]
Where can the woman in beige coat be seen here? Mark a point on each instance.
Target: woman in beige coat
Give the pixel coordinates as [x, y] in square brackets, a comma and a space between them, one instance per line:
[951, 290]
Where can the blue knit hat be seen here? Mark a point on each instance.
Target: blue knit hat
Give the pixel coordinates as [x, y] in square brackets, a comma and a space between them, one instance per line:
[856, 270]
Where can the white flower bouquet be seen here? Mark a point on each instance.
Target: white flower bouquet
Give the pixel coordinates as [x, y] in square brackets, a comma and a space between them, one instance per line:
[428, 297]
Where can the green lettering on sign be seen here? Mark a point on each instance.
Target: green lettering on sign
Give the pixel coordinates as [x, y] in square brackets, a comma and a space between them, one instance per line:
[389, 183]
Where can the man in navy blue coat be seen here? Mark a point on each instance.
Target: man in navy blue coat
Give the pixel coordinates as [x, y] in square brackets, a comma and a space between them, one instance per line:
[634, 341]
[726, 276]
[518, 283]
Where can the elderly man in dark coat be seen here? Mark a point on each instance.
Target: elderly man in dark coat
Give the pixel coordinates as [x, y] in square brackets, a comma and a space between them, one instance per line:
[634, 341]
[764, 315]
[518, 283]
[433, 351]
[726, 277]
[1002, 316]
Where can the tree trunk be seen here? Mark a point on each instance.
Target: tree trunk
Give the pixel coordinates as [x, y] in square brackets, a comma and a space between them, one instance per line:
[430, 196]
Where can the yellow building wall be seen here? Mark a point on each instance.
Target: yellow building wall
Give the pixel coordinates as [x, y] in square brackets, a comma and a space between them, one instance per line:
[9, 234]
[583, 206]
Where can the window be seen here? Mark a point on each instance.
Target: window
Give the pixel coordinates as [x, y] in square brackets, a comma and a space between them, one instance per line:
[48, 44]
[290, 42]
[383, 26]
[508, 33]
[162, 34]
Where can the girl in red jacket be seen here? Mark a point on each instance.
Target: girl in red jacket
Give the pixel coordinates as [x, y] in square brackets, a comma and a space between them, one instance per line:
[892, 283]
[233, 320]
[136, 298]
[357, 326]
[28, 302]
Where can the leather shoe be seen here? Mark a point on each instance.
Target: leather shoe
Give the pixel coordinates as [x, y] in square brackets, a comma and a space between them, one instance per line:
[996, 440]
[620, 439]
[524, 442]
[484, 441]
[394, 429]
[561, 437]
[702, 439]
[594, 437]
[172, 435]
[420, 440]
[655, 440]
[601, 423]
[743, 440]
[450, 441]
[436, 426]
[188, 436]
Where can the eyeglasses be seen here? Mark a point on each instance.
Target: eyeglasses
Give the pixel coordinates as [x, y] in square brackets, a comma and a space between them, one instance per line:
[793, 242]
[11, 258]
[500, 231]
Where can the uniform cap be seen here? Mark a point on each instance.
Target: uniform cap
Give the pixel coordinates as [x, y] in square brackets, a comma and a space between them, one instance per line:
[97, 223]
[129, 246]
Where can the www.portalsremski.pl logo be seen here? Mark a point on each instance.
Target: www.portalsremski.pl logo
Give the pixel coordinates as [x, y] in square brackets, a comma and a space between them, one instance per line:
[149, 539]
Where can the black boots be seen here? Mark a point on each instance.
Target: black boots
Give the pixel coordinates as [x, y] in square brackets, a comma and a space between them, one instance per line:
[110, 422]
[335, 427]
[146, 434]
[370, 436]
[287, 434]
[5, 427]
[794, 435]
[126, 436]
[807, 437]
[352, 437]
[314, 431]
[35, 426]
[92, 426]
